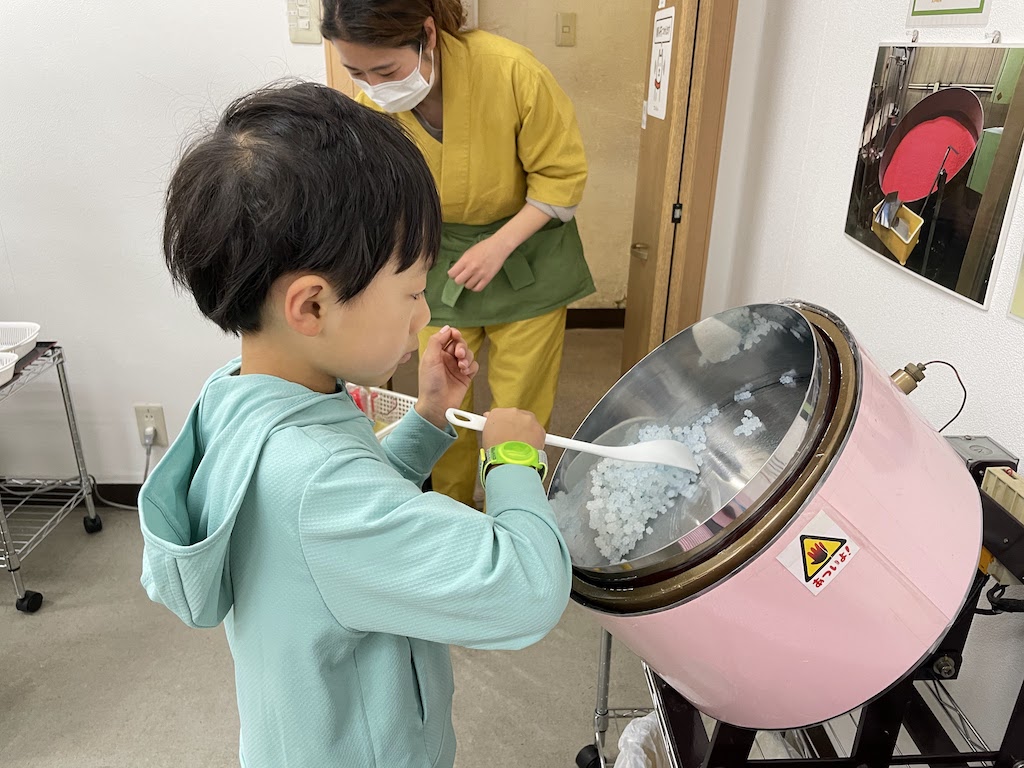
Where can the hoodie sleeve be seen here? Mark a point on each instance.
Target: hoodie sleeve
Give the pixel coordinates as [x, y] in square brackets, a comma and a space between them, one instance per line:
[415, 446]
[388, 558]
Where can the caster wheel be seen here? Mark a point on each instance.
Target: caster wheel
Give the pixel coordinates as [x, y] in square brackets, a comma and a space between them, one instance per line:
[588, 757]
[30, 602]
[92, 524]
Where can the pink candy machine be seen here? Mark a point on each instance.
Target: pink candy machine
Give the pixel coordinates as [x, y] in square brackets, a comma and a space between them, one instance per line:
[824, 549]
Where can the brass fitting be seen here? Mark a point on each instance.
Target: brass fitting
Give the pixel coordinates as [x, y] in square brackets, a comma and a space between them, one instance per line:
[907, 378]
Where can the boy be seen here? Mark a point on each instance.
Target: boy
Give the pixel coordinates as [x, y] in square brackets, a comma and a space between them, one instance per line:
[306, 224]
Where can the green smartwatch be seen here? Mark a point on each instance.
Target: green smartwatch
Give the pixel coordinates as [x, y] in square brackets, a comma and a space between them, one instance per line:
[512, 452]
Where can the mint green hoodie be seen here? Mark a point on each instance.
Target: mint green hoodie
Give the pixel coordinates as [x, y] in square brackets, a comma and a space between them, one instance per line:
[340, 583]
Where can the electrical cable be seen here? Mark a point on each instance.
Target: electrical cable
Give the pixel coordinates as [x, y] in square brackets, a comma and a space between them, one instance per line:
[108, 502]
[962, 386]
[999, 603]
[149, 438]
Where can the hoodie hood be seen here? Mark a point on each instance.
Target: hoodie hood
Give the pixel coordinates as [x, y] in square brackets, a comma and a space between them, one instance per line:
[188, 505]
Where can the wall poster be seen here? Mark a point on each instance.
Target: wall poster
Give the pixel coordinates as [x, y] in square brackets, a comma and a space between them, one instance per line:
[936, 160]
[661, 60]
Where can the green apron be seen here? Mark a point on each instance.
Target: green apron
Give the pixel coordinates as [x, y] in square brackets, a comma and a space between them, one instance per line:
[545, 273]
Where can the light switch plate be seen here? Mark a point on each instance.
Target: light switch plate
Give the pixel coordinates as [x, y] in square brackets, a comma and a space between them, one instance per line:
[304, 21]
[565, 29]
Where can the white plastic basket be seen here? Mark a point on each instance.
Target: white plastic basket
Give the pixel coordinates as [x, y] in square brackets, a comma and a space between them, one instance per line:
[389, 408]
[7, 362]
[19, 338]
[384, 406]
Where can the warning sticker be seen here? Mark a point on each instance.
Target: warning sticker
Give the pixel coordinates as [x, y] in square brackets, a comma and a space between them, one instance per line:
[661, 60]
[819, 553]
[818, 550]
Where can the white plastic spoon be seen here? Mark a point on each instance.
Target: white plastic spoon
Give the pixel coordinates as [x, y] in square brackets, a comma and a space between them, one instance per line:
[671, 453]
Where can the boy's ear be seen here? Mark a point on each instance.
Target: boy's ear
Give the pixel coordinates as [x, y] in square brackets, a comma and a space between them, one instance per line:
[305, 301]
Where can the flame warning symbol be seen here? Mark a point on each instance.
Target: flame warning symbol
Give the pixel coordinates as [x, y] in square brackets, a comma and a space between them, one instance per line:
[818, 551]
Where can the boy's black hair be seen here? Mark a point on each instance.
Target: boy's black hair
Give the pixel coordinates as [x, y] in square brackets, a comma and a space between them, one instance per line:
[299, 179]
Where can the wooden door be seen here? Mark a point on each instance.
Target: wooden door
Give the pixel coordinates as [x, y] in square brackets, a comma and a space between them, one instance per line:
[678, 169]
[337, 75]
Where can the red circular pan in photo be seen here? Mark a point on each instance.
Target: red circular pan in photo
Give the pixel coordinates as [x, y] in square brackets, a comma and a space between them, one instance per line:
[916, 162]
[913, 156]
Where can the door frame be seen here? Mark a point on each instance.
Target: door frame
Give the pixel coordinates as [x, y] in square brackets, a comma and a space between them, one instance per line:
[705, 31]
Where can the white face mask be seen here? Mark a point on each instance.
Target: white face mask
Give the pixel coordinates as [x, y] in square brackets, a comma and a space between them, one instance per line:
[401, 95]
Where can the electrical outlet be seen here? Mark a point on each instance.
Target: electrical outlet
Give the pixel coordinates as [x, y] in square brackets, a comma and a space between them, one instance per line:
[151, 416]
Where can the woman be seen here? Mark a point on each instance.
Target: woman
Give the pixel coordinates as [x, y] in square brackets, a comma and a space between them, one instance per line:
[504, 147]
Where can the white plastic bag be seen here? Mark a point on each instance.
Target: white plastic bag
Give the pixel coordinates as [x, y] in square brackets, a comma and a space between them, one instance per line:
[642, 745]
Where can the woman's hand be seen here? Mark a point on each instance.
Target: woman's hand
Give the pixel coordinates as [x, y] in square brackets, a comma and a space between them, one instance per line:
[480, 264]
[447, 368]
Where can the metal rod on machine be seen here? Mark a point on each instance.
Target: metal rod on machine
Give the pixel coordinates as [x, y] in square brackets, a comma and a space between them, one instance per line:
[965, 722]
[604, 665]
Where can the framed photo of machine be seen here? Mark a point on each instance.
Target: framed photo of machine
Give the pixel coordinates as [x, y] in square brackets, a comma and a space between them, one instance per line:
[960, 13]
[937, 160]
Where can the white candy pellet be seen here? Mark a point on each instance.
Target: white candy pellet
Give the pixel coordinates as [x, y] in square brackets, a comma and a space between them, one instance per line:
[626, 496]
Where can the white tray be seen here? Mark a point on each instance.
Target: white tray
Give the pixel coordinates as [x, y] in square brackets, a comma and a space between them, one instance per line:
[19, 338]
[7, 362]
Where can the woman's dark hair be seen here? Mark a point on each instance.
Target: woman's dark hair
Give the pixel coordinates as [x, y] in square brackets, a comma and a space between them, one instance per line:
[296, 179]
[389, 23]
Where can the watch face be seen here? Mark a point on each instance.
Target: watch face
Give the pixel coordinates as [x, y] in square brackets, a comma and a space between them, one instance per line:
[515, 452]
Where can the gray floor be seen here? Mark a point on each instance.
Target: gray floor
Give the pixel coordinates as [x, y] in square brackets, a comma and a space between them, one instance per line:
[102, 677]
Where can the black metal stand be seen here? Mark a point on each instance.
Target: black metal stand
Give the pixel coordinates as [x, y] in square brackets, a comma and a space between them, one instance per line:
[940, 190]
[881, 720]
[935, 219]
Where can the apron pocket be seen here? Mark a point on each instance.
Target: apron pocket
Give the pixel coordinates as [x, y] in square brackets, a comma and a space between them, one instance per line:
[517, 270]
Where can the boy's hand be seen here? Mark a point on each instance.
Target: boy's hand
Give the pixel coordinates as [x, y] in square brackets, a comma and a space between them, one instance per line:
[505, 424]
[446, 370]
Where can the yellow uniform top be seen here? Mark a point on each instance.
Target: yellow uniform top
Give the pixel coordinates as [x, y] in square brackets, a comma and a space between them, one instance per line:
[510, 132]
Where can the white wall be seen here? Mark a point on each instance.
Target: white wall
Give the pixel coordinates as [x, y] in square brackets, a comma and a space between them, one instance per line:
[737, 148]
[798, 93]
[95, 100]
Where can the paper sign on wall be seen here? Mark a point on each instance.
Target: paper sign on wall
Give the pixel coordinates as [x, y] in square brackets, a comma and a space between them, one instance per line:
[819, 553]
[661, 59]
[958, 13]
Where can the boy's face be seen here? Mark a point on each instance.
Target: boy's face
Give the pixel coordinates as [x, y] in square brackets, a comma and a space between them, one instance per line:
[367, 338]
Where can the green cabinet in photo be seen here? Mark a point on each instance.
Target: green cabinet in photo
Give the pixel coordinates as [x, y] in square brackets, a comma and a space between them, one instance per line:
[1006, 83]
[984, 155]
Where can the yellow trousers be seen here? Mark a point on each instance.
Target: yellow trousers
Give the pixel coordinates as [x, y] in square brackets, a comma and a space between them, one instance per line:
[523, 364]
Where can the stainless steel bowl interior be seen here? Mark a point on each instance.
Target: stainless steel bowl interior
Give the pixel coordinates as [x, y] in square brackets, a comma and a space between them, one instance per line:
[704, 372]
